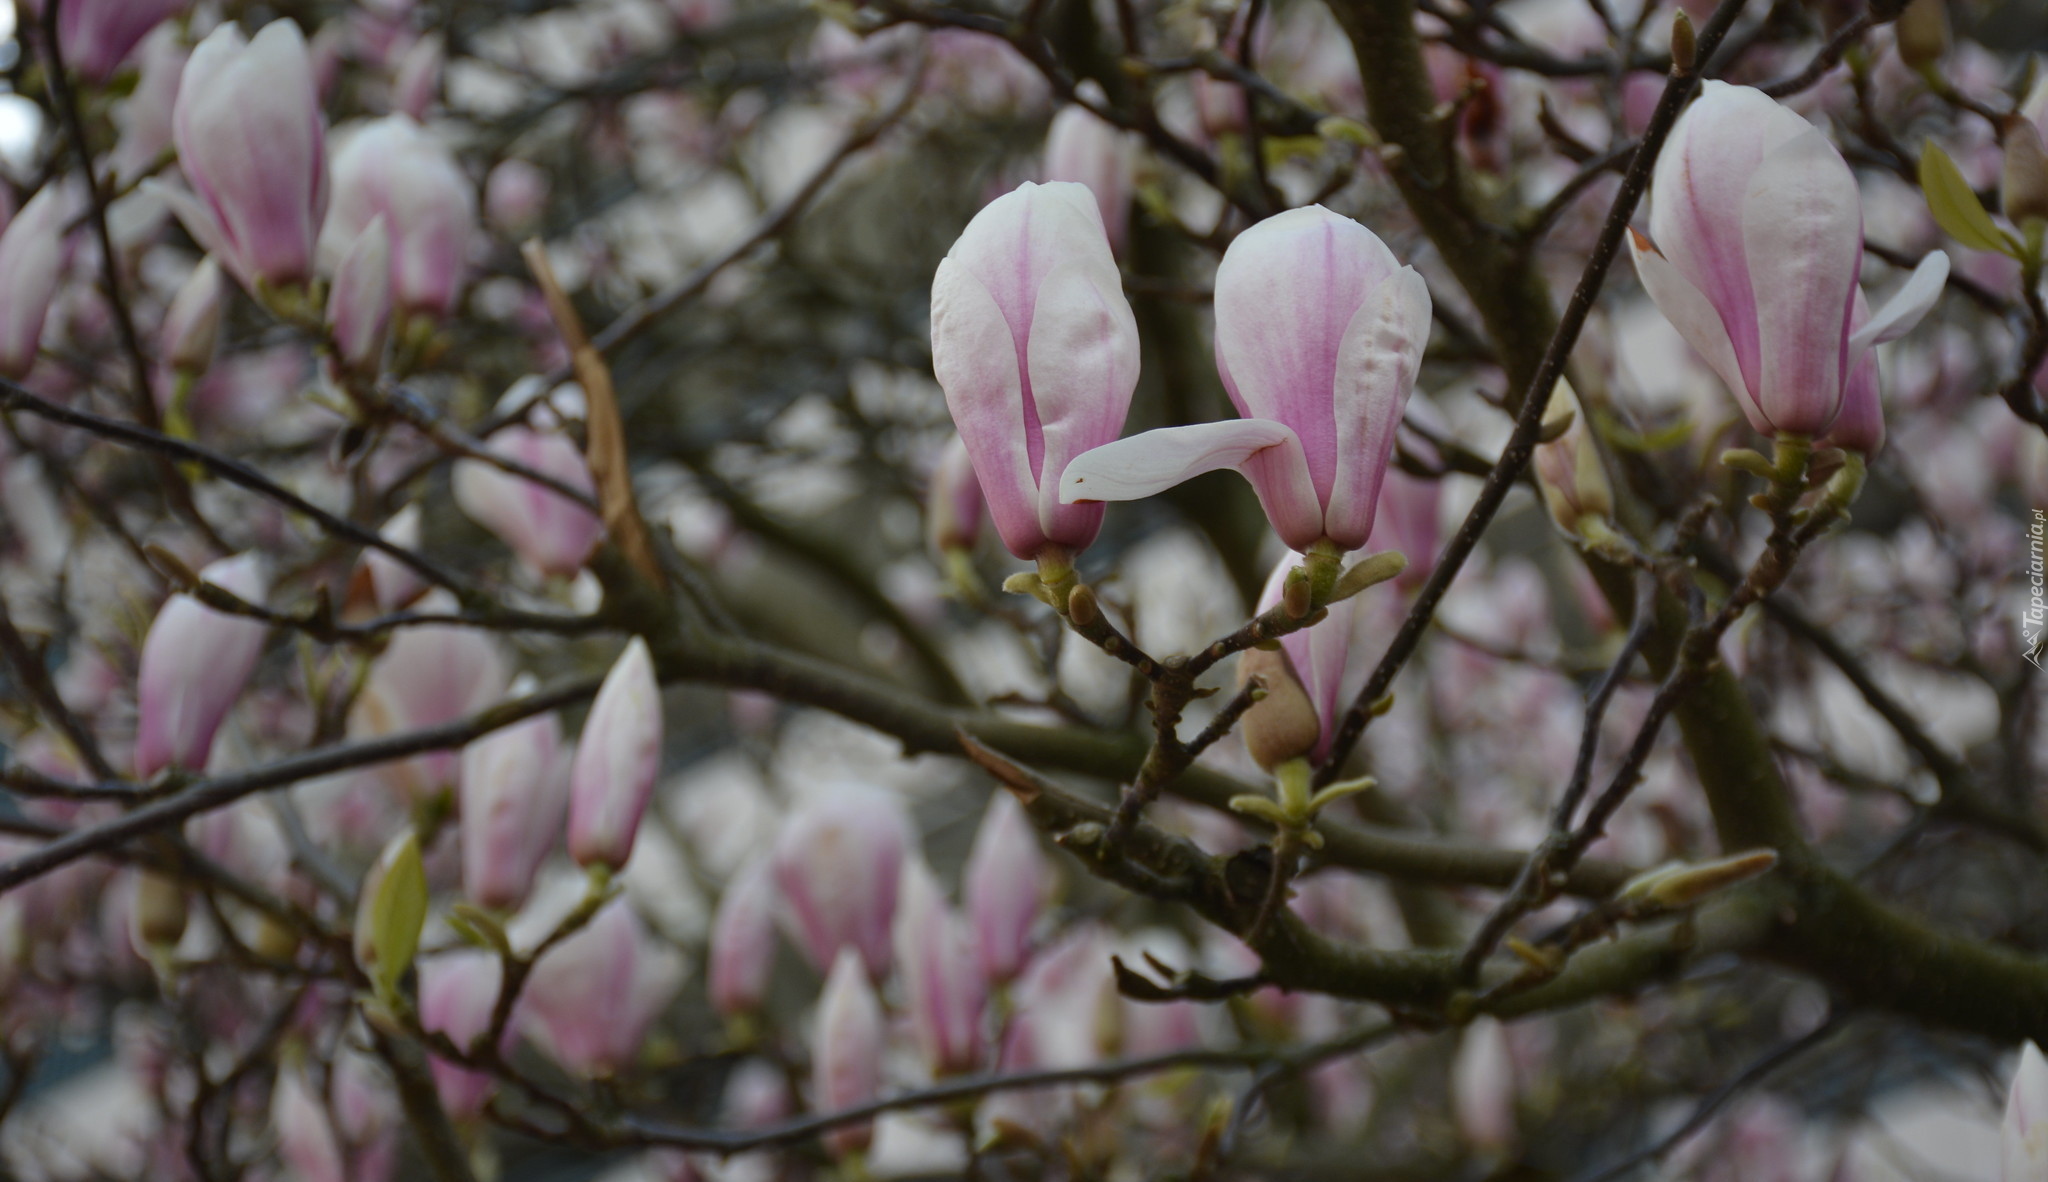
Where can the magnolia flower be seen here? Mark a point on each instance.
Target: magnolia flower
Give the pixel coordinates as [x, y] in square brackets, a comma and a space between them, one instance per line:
[250, 140]
[1080, 147]
[1037, 351]
[359, 307]
[426, 677]
[191, 329]
[1007, 881]
[513, 793]
[96, 36]
[593, 996]
[458, 995]
[31, 258]
[195, 662]
[942, 980]
[846, 1056]
[617, 762]
[394, 168]
[1319, 334]
[837, 865]
[743, 940]
[1755, 248]
[551, 533]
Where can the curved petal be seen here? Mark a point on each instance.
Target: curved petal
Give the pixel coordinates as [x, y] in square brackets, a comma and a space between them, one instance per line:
[1688, 310]
[1376, 366]
[1802, 226]
[1904, 310]
[1266, 452]
[1083, 361]
[975, 360]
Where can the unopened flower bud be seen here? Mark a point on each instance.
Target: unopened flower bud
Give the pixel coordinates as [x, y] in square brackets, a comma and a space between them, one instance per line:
[2023, 190]
[1923, 34]
[1682, 884]
[743, 941]
[1007, 882]
[936, 963]
[159, 911]
[1684, 43]
[359, 307]
[191, 329]
[1568, 468]
[194, 664]
[616, 762]
[419, 76]
[847, 1056]
[513, 793]
[1283, 725]
[953, 507]
[837, 865]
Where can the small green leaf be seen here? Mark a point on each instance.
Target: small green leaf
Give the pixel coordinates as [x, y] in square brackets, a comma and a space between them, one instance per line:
[398, 912]
[1955, 205]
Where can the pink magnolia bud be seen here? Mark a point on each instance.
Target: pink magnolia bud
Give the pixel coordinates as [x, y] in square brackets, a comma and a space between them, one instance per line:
[394, 167]
[419, 76]
[305, 1132]
[1568, 468]
[593, 997]
[1007, 881]
[427, 677]
[458, 994]
[551, 533]
[392, 583]
[1755, 248]
[359, 307]
[31, 258]
[1037, 351]
[514, 792]
[515, 196]
[617, 761]
[942, 979]
[1319, 335]
[1080, 147]
[743, 941]
[251, 142]
[2026, 1119]
[191, 329]
[837, 863]
[846, 1059]
[97, 35]
[194, 664]
[953, 506]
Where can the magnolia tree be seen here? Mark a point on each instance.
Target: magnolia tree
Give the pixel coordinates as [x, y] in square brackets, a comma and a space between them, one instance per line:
[506, 671]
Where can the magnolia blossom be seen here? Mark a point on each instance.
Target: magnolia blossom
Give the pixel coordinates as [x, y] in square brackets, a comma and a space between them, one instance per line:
[846, 1058]
[1319, 334]
[551, 533]
[394, 168]
[743, 940]
[458, 995]
[251, 141]
[428, 676]
[942, 979]
[96, 36]
[513, 794]
[191, 330]
[1037, 351]
[194, 665]
[592, 998]
[1007, 881]
[419, 76]
[953, 506]
[837, 865]
[1080, 147]
[617, 762]
[31, 260]
[359, 307]
[1754, 252]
